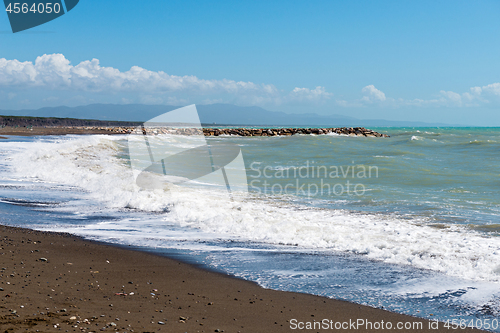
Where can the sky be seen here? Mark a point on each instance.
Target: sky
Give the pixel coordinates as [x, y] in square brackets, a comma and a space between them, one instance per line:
[432, 61]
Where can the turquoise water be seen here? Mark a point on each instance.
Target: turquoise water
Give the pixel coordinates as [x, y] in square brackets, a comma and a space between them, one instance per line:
[451, 175]
[409, 223]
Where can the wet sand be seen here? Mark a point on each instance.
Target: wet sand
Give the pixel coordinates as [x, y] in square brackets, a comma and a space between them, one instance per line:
[51, 282]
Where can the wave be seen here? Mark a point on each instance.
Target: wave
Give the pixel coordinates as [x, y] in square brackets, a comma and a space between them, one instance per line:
[92, 163]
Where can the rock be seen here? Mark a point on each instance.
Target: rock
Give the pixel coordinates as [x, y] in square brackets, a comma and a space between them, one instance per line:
[43, 259]
[161, 323]
[353, 131]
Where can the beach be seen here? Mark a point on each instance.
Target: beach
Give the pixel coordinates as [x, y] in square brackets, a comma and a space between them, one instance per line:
[27, 131]
[57, 282]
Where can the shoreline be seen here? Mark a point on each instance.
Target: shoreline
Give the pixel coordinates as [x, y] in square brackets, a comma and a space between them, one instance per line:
[207, 131]
[54, 282]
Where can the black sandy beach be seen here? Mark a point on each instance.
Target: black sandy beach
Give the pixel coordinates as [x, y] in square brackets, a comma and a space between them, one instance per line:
[51, 282]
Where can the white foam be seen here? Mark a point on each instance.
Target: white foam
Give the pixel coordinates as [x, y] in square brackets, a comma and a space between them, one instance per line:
[90, 163]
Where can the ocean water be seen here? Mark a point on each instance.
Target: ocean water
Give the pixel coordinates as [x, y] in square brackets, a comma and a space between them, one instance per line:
[408, 223]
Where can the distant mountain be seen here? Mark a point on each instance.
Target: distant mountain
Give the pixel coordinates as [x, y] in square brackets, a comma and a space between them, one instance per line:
[220, 114]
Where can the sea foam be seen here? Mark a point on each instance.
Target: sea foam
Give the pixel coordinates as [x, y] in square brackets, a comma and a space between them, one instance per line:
[95, 165]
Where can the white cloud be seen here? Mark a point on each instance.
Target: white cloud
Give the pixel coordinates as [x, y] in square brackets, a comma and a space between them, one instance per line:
[475, 97]
[372, 94]
[90, 82]
[305, 94]
[451, 98]
[483, 95]
[490, 89]
[55, 73]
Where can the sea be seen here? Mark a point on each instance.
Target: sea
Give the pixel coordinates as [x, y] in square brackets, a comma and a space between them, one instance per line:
[409, 223]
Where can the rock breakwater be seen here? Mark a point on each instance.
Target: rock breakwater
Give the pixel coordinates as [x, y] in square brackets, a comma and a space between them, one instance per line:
[82, 126]
[60, 130]
[352, 131]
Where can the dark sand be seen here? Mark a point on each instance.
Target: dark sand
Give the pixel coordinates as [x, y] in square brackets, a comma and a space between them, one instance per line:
[53, 282]
[23, 131]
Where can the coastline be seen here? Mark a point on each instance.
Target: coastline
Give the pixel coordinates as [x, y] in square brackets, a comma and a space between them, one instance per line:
[54, 281]
[208, 131]
[36, 131]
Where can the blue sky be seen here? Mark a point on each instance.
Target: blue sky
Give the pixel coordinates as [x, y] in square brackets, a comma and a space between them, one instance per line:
[436, 61]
